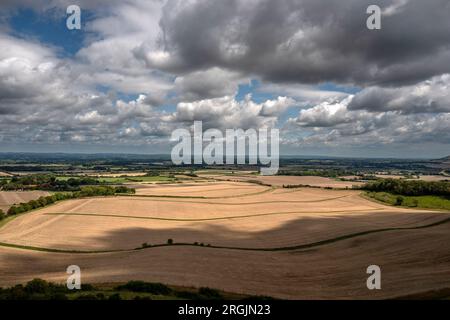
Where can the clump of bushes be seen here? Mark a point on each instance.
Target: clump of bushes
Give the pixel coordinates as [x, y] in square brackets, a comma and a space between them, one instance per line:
[2, 215]
[147, 287]
[36, 289]
[210, 293]
[399, 201]
[99, 296]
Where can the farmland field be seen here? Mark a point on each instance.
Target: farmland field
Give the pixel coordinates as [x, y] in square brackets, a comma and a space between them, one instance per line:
[9, 198]
[234, 236]
[279, 181]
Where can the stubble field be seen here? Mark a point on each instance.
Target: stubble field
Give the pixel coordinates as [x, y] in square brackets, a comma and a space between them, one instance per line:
[9, 198]
[287, 243]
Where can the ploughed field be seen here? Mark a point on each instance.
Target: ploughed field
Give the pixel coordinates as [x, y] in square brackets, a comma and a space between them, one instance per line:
[287, 243]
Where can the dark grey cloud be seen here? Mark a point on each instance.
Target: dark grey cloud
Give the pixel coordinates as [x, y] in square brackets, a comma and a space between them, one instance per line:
[207, 84]
[306, 41]
[431, 96]
[193, 55]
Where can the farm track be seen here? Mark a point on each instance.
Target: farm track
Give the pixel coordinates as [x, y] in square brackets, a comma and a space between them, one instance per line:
[286, 248]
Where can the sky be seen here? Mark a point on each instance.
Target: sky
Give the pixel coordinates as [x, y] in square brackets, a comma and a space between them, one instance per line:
[139, 69]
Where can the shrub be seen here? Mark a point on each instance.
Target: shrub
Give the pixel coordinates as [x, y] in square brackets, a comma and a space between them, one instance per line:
[124, 190]
[37, 286]
[2, 215]
[87, 297]
[139, 298]
[146, 245]
[13, 211]
[87, 287]
[210, 293]
[188, 295]
[115, 297]
[399, 201]
[141, 286]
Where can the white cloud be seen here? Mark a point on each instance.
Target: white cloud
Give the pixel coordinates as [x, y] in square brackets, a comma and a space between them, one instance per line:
[227, 112]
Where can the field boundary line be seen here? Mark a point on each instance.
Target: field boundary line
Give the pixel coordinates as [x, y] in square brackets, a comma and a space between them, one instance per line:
[271, 189]
[204, 219]
[248, 203]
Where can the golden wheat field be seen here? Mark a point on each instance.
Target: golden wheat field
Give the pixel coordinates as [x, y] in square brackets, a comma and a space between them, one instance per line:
[234, 236]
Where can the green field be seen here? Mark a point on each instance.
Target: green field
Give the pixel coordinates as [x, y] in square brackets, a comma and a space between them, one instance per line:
[424, 202]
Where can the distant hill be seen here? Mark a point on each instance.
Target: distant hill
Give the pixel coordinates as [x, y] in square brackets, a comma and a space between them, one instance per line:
[443, 163]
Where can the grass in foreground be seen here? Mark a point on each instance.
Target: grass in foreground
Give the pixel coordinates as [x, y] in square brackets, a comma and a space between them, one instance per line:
[420, 202]
[39, 289]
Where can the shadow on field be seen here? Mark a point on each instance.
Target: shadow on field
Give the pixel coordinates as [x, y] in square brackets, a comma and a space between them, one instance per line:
[244, 233]
[411, 261]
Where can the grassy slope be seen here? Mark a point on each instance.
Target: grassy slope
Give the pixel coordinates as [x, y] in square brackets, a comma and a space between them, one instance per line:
[420, 202]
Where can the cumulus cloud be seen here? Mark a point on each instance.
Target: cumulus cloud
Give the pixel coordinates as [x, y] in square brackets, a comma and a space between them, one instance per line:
[430, 96]
[276, 107]
[148, 67]
[227, 112]
[335, 123]
[306, 41]
[207, 84]
[326, 114]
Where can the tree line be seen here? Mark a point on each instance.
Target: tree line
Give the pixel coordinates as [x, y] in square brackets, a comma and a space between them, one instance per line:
[46, 182]
[90, 191]
[409, 187]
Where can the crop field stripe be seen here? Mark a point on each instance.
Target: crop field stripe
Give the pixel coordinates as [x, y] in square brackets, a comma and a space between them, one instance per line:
[249, 203]
[289, 248]
[24, 247]
[197, 197]
[204, 219]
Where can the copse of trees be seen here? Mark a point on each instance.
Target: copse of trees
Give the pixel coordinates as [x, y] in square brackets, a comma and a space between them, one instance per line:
[46, 182]
[331, 173]
[91, 191]
[409, 187]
